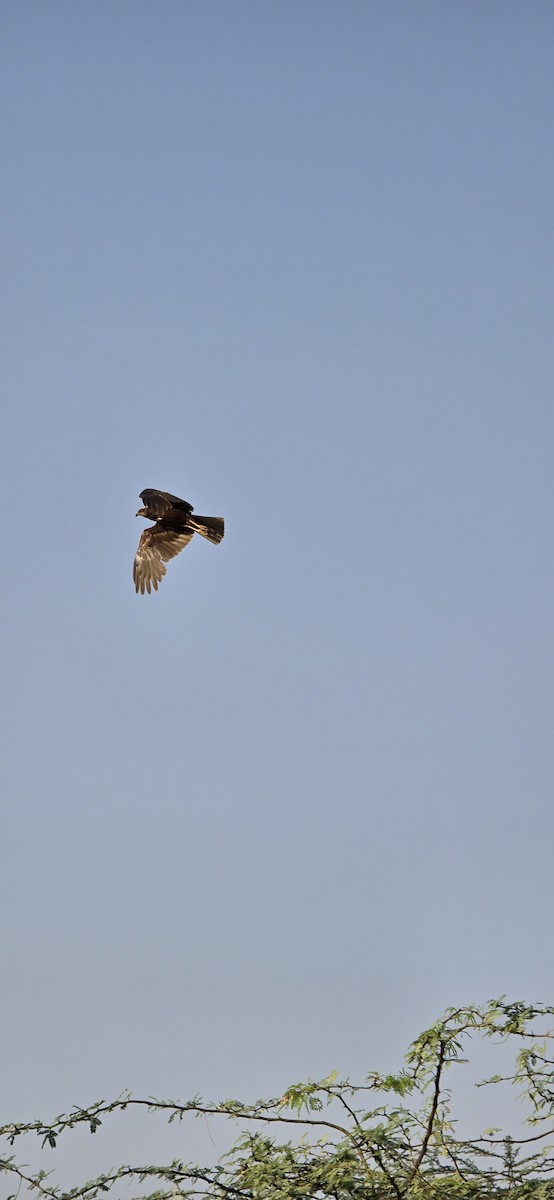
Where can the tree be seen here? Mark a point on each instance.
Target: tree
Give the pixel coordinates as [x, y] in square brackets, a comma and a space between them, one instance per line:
[390, 1137]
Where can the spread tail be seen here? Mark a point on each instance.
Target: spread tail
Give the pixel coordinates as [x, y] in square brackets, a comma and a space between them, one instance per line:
[211, 528]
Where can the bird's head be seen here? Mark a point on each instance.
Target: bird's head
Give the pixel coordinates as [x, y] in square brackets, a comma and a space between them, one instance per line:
[142, 512]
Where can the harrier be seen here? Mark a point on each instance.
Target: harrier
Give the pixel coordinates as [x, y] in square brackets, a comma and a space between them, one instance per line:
[174, 528]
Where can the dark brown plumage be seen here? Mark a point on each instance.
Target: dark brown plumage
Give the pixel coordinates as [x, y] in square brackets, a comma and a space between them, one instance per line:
[174, 528]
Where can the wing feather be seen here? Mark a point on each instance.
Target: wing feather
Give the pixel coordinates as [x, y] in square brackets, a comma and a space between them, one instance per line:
[159, 503]
[156, 546]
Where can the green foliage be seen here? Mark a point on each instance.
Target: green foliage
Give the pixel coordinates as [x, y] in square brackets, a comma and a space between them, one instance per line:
[388, 1138]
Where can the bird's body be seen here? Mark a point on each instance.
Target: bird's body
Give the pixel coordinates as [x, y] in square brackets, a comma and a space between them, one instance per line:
[175, 526]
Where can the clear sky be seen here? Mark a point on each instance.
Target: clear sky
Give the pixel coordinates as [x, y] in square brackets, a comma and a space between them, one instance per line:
[293, 262]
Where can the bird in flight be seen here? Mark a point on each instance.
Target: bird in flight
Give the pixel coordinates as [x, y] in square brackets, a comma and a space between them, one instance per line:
[175, 525]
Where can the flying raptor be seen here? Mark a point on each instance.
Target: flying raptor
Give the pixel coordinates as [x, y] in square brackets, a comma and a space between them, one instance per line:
[175, 525]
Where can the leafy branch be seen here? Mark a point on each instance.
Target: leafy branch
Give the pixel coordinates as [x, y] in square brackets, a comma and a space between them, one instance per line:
[405, 1145]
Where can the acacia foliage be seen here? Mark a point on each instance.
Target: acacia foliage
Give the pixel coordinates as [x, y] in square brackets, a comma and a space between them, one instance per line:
[390, 1137]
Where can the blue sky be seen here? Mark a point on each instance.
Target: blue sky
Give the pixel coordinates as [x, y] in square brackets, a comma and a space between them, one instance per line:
[292, 262]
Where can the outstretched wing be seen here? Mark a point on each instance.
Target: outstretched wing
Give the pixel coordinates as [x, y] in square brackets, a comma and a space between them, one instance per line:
[158, 503]
[157, 545]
